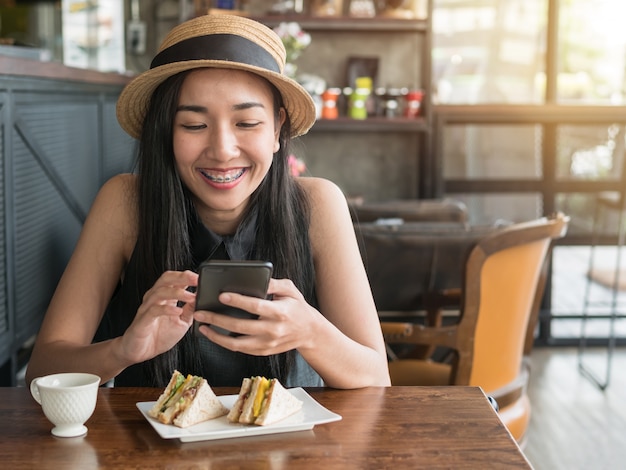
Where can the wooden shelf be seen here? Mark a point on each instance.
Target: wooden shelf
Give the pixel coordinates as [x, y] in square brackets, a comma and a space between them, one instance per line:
[373, 124]
[347, 24]
[334, 40]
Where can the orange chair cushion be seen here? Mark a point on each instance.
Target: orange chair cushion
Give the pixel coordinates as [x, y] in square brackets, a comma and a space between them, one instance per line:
[503, 317]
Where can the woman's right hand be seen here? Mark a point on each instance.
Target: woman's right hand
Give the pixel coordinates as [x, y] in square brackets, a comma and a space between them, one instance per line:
[163, 317]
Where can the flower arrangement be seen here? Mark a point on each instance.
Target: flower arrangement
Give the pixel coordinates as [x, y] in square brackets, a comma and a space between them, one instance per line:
[294, 39]
[296, 165]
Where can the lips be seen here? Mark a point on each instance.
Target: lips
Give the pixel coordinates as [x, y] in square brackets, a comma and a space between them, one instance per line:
[223, 176]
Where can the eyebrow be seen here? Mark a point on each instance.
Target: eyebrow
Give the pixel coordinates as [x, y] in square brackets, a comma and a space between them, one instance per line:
[248, 105]
[203, 109]
[193, 108]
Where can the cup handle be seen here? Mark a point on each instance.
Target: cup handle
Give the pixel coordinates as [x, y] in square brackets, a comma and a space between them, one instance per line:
[34, 390]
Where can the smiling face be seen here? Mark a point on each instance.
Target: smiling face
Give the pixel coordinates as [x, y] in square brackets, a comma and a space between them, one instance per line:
[225, 134]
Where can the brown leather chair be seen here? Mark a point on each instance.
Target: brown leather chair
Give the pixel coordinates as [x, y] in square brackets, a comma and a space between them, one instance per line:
[395, 232]
[502, 285]
[410, 210]
[415, 270]
[413, 265]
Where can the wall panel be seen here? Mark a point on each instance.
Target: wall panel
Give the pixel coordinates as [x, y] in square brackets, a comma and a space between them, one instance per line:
[60, 142]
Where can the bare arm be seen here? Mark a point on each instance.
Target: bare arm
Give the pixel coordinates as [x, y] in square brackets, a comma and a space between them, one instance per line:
[84, 291]
[347, 350]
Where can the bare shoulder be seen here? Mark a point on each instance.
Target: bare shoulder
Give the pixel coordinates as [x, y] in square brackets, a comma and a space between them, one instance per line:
[119, 192]
[322, 193]
[124, 184]
[330, 216]
[114, 211]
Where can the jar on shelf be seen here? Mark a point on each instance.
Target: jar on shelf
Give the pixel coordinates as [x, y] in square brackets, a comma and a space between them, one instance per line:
[362, 8]
[368, 84]
[287, 7]
[330, 109]
[413, 103]
[326, 8]
[403, 9]
[357, 107]
[391, 102]
[361, 102]
[343, 103]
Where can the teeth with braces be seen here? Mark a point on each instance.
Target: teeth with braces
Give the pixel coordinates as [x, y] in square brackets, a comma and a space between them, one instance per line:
[224, 178]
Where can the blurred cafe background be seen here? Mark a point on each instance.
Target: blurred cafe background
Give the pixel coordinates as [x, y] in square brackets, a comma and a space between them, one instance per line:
[513, 108]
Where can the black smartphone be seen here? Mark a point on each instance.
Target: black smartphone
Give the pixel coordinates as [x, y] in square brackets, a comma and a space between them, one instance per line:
[242, 277]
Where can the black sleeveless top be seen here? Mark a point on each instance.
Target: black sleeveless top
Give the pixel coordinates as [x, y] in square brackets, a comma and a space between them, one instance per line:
[221, 367]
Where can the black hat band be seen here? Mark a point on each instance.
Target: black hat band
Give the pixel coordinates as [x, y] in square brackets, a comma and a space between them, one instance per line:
[226, 47]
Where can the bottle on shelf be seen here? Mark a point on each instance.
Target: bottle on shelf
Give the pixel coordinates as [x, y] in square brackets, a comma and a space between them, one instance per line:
[413, 103]
[361, 101]
[362, 8]
[330, 109]
[326, 8]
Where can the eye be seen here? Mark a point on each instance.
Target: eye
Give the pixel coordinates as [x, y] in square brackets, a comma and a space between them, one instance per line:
[248, 124]
[193, 127]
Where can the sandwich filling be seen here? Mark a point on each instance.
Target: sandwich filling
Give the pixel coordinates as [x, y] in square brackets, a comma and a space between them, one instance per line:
[263, 401]
[261, 396]
[180, 397]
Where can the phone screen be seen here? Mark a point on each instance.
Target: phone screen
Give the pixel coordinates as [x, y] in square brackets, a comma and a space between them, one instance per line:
[242, 277]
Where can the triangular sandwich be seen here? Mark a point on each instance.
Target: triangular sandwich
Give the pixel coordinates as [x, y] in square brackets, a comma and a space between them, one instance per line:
[187, 401]
[263, 401]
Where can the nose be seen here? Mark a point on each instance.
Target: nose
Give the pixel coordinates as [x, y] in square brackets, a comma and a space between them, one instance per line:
[222, 143]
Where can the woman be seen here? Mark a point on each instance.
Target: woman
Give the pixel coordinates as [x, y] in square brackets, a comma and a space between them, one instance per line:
[214, 116]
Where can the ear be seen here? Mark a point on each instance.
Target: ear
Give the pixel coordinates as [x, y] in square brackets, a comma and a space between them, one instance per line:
[279, 125]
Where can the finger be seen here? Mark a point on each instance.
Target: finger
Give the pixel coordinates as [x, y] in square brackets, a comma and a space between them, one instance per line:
[169, 293]
[183, 279]
[249, 304]
[230, 323]
[248, 344]
[187, 314]
[282, 288]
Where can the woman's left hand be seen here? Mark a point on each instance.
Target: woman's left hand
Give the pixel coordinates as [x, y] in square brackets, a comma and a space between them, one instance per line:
[283, 324]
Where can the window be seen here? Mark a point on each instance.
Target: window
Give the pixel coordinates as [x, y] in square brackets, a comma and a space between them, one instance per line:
[530, 99]
[591, 52]
[495, 52]
[491, 53]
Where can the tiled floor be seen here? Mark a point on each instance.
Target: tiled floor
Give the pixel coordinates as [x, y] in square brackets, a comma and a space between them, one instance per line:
[575, 425]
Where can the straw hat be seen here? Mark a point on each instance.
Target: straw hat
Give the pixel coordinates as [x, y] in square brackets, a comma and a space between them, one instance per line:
[219, 41]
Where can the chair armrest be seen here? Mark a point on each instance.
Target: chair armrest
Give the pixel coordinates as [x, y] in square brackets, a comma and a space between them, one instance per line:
[511, 392]
[395, 331]
[409, 333]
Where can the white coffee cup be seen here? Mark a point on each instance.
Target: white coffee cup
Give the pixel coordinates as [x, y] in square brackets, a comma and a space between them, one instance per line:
[68, 400]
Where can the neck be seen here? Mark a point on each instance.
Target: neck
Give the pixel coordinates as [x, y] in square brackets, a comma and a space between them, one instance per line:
[222, 222]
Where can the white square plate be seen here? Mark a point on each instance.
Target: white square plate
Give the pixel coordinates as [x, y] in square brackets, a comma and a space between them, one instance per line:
[312, 413]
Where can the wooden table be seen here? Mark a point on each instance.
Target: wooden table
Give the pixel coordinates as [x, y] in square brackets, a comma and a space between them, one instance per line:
[393, 427]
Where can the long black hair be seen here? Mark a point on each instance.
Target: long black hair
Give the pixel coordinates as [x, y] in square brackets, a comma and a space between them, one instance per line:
[165, 211]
